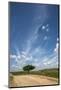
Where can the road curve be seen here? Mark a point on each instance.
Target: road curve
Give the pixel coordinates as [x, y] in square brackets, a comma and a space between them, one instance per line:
[32, 80]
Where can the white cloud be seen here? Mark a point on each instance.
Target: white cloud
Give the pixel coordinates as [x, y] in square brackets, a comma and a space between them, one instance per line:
[28, 58]
[23, 52]
[23, 56]
[56, 48]
[14, 66]
[43, 27]
[40, 63]
[50, 60]
[47, 63]
[19, 56]
[45, 38]
[38, 51]
[13, 56]
[17, 51]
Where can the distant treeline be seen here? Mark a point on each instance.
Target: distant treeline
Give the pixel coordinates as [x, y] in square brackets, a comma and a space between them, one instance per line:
[54, 72]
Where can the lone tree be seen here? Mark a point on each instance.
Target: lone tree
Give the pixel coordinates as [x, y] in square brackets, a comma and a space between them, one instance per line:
[28, 68]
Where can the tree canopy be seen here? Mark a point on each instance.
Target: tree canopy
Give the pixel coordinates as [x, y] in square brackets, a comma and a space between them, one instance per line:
[28, 68]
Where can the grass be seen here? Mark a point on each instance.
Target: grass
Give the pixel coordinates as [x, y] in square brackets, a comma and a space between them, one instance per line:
[11, 77]
[46, 72]
[50, 72]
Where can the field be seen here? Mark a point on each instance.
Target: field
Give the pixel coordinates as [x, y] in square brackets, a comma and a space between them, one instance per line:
[41, 77]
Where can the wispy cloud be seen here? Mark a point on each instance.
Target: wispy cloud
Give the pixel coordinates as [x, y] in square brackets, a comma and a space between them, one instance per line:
[47, 29]
[33, 50]
[40, 62]
[40, 15]
[12, 56]
[57, 46]
[45, 38]
[57, 39]
[37, 56]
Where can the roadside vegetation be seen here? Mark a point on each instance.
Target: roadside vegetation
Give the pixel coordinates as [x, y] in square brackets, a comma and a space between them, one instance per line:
[54, 72]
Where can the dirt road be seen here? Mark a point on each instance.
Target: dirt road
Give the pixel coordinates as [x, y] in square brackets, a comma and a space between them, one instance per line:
[32, 80]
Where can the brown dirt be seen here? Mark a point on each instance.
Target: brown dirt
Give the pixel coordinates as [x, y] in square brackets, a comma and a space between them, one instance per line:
[32, 80]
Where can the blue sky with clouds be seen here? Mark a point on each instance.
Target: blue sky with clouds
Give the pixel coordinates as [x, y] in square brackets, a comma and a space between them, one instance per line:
[33, 35]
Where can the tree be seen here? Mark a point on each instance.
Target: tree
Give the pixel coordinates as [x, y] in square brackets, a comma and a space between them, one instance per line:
[28, 68]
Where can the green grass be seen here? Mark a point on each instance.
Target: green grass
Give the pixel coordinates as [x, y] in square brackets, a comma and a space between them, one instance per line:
[50, 72]
[11, 79]
[46, 72]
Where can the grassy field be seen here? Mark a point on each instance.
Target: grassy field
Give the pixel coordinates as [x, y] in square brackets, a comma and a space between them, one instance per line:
[46, 72]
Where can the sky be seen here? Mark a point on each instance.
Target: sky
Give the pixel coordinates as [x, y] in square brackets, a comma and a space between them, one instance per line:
[34, 35]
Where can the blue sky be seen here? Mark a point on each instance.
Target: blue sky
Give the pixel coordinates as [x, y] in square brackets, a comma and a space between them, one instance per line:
[33, 36]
